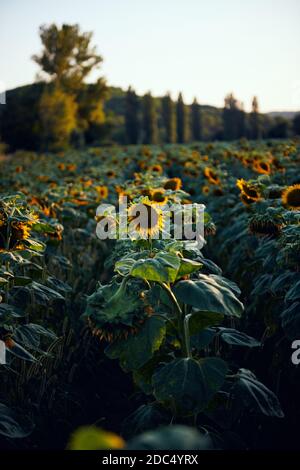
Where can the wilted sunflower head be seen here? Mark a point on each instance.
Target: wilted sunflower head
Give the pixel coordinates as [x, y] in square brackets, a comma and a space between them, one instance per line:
[262, 167]
[291, 197]
[115, 311]
[146, 218]
[174, 184]
[12, 238]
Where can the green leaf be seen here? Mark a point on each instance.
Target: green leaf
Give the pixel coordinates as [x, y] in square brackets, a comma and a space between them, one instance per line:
[237, 338]
[188, 384]
[162, 268]
[22, 280]
[290, 321]
[177, 437]
[188, 266]
[293, 293]
[146, 417]
[209, 294]
[10, 426]
[138, 349]
[18, 351]
[200, 320]
[256, 397]
[202, 339]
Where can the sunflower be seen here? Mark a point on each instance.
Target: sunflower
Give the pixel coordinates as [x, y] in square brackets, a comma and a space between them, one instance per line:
[211, 175]
[173, 183]
[205, 189]
[19, 231]
[158, 196]
[262, 167]
[248, 190]
[156, 169]
[152, 224]
[265, 227]
[110, 174]
[102, 191]
[291, 197]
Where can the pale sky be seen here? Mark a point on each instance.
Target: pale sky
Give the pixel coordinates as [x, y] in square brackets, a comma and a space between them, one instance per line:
[204, 48]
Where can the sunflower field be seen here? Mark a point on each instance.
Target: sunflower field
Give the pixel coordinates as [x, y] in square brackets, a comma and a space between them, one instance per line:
[135, 343]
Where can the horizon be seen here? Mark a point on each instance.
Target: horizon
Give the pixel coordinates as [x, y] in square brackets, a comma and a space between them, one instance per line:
[143, 65]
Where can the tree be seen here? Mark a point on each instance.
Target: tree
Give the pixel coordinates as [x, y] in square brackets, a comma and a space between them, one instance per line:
[67, 57]
[255, 121]
[181, 119]
[233, 118]
[279, 129]
[150, 130]
[196, 121]
[57, 111]
[66, 60]
[169, 118]
[296, 124]
[132, 124]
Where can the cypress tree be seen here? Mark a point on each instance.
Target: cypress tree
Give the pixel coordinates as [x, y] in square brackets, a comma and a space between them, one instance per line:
[132, 117]
[150, 130]
[181, 120]
[169, 119]
[255, 122]
[196, 121]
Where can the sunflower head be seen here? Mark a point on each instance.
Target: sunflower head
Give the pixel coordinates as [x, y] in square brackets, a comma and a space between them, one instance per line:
[146, 218]
[205, 189]
[158, 196]
[262, 167]
[174, 184]
[102, 191]
[249, 193]
[291, 197]
[211, 175]
[115, 311]
[157, 169]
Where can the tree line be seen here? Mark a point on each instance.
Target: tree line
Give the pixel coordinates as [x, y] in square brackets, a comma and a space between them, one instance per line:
[62, 110]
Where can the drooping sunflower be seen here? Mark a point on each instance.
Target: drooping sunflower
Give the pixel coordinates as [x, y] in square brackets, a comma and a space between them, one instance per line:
[12, 237]
[211, 175]
[149, 217]
[262, 167]
[173, 184]
[291, 197]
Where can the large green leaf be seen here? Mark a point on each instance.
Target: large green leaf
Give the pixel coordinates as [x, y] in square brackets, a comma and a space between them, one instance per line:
[138, 349]
[249, 393]
[202, 319]
[188, 384]
[209, 294]
[162, 268]
[237, 338]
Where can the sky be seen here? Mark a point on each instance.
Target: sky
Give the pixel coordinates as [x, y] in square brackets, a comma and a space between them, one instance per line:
[204, 48]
